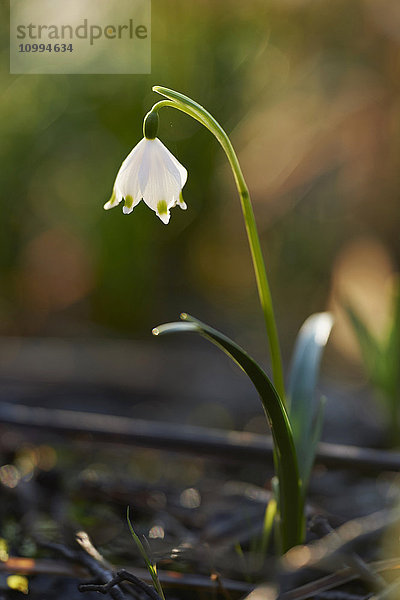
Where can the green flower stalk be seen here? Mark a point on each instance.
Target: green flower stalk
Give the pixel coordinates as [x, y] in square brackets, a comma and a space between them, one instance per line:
[151, 172]
[195, 110]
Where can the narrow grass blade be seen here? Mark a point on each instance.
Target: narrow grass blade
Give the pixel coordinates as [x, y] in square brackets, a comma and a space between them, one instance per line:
[268, 525]
[150, 567]
[369, 346]
[392, 346]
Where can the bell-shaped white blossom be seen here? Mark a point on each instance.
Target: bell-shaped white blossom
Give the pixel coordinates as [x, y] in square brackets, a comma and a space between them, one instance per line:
[150, 172]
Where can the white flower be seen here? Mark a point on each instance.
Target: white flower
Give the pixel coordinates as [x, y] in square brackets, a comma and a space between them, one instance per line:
[150, 172]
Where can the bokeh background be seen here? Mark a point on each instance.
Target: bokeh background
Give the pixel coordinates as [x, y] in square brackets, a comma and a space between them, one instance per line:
[309, 92]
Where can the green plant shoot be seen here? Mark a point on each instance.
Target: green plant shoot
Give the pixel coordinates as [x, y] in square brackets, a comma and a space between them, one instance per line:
[381, 357]
[149, 565]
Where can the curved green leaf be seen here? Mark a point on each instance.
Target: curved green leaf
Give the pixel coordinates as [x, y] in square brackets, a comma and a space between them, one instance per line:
[290, 496]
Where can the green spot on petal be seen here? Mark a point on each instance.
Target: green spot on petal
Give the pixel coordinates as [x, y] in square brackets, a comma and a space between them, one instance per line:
[181, 202]
[162, 207]
[128, 201]
[112, 202]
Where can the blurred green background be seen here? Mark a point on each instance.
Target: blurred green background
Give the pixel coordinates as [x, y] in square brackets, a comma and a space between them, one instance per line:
[308, 90]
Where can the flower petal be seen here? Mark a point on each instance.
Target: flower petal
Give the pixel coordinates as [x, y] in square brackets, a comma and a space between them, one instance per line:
[113, 201]
[163, 212]
[126, 185]
[159, 179]
[181, 203]
[129, 204]
[134, 156]
[176, 164]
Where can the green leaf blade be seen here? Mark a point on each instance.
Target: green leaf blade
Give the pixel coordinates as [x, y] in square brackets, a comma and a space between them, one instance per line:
[150, 567]
[303, 376]
[290, 500]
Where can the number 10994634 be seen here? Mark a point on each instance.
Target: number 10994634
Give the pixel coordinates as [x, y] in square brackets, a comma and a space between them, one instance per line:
[45, 48]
